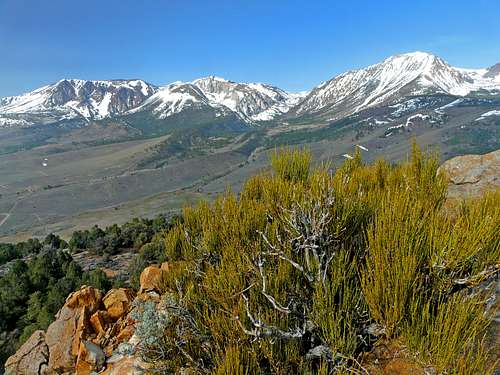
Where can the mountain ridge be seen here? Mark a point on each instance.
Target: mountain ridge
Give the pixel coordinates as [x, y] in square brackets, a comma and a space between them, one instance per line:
[399, 76]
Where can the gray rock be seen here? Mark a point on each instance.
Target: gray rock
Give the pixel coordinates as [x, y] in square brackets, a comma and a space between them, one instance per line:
[31, 358]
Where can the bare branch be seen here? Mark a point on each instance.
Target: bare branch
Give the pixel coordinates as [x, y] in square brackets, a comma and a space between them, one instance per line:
[276, 304]
[262, 330]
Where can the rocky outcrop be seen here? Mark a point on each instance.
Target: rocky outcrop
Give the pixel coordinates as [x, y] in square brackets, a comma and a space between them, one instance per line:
[31, 358]
[87, 329]
[70, 327]
[472, 175]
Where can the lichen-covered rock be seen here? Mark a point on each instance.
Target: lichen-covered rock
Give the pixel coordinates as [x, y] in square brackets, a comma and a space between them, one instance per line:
[118, 301]
[472, 175]
[31, 358]
[71, 326]
[90, 358]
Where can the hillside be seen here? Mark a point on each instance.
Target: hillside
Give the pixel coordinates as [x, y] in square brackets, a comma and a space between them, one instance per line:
[363, 269]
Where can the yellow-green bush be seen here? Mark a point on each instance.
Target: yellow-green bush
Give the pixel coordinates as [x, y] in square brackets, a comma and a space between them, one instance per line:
[288, 276]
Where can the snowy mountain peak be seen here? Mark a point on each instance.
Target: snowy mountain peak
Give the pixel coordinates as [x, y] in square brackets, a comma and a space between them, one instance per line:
[172, 99]
[210, 79]
[249, 101]
[73, 98]
[409, 74]
[388, 82]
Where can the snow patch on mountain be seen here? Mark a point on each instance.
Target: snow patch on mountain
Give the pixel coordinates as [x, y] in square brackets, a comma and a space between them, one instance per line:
[488, 114]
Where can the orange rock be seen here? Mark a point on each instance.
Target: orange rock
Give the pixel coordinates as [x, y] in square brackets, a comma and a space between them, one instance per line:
[126, 366]
[165, 266]
[98, 322]
[118, 302]
[151, 278]
[72, 324]
[90, 358]
[82, 330]
[86, 296]
[125, 334]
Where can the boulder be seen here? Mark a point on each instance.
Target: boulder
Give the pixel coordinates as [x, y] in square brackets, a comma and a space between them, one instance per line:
[71, 326]
[118, 301]
[151, 279]
[83, 328]
[31, 358]
[472, 175]
[90, 358]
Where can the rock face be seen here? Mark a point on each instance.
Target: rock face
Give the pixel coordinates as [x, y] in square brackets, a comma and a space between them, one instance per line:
[31, 358]
[70, 327]
[472, 175]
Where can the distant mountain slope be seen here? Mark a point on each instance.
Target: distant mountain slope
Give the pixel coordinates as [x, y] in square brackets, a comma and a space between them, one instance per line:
[250, 101]
[411, 74]
[73, 98]
[97, 100]
[493, 72]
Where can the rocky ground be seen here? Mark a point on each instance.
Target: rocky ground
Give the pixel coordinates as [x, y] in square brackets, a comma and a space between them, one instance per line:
[114, 266]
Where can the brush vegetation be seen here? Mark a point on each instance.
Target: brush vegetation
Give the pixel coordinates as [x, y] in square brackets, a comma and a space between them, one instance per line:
[307, 269]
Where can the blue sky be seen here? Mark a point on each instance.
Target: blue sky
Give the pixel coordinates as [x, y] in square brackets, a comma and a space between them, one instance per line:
[291, 44]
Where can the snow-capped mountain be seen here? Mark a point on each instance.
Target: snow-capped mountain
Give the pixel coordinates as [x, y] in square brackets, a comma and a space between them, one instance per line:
[493, 73]
[250, 101]
[400, 76]
[73, 98]
[255, 101]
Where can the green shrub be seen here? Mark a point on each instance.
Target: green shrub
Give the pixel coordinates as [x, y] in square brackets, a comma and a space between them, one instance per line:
[288, 276]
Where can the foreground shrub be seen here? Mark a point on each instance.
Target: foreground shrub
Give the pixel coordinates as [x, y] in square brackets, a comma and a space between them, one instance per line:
[292, 275]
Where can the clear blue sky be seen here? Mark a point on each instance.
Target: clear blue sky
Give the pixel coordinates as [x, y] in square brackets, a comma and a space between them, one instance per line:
[292, 44]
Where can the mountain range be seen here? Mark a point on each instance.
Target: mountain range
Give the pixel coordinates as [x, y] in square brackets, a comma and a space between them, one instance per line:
[389, 82]
[75, 153]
